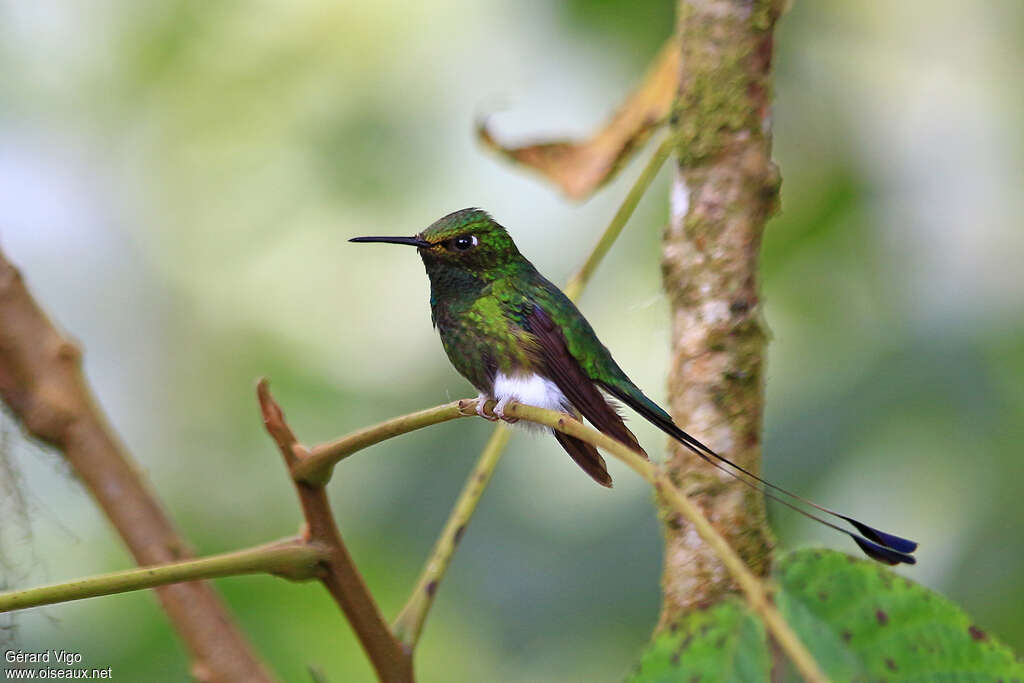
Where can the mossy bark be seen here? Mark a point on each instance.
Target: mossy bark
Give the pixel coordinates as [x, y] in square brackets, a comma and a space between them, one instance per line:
[725, 189]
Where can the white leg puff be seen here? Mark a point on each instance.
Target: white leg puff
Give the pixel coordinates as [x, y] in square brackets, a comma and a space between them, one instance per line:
[530, 389]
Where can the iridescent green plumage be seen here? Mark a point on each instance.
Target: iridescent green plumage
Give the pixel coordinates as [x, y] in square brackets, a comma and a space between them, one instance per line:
[515, 336]
[481, 301]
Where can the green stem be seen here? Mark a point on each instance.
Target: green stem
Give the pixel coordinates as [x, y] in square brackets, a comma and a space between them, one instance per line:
[574, 287]
[316, 468]
[293, 559]
[753, 588]
[409, 623]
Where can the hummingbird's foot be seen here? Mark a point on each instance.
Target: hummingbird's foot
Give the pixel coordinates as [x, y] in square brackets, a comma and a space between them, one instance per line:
[499, 410]
[481, 401]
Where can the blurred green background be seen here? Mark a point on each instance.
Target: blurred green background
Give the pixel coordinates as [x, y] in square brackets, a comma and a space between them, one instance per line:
[178, 180]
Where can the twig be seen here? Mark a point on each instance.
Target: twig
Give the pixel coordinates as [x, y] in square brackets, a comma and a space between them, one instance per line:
[341, 578]
[410, 620]
[316, 467]
[750, 585]
[42, 383]
[574, 287]
[409, 623]
[294, 559]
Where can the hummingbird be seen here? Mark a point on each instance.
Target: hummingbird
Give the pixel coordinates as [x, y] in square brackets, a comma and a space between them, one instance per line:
[517, 337]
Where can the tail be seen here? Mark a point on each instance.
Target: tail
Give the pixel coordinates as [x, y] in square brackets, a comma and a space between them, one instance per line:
[586, 456]
[603, 415]
[876, 544]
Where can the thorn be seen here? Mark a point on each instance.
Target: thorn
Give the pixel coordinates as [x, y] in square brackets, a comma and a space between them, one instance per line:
[69, 352]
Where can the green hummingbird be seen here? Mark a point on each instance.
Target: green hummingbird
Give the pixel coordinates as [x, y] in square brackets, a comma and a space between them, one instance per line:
[516, 337]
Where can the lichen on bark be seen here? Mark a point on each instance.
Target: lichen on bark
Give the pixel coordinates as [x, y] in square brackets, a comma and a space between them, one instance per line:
[725, 189]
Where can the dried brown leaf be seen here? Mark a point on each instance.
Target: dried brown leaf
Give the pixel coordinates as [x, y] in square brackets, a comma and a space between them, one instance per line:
[579, 168]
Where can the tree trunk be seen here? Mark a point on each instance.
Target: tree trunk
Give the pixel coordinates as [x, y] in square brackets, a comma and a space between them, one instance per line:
[724, 190]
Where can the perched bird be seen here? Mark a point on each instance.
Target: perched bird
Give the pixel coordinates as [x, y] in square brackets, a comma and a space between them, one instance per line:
[516, 337]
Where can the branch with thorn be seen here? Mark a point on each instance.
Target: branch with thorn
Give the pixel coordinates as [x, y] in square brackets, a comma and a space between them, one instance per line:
[410, 621]
[321, 552]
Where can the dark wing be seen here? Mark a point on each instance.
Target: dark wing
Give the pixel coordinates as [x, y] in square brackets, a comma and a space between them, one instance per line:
[566, 373]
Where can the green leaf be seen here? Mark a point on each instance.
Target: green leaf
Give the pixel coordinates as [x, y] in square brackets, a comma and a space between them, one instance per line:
[861, 621]
[724, 643]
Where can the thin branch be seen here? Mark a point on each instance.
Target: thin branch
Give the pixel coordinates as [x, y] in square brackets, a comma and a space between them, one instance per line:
[42, 383]
[751, 586]
[293, 559]
[316, 467]
[391, 661]
[409, 623]
[574, 287]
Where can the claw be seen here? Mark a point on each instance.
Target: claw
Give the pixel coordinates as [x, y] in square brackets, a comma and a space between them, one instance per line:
[499, 410]
[481, 401]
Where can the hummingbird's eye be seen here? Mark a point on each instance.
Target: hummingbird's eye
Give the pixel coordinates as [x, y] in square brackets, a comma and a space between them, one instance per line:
[462, 243]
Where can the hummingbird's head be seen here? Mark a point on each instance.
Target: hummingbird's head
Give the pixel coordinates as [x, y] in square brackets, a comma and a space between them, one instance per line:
[468, 240]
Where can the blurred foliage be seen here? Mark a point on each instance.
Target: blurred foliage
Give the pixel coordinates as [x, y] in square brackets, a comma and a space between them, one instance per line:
[635, 26]
[179, 182]
[860, 621]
